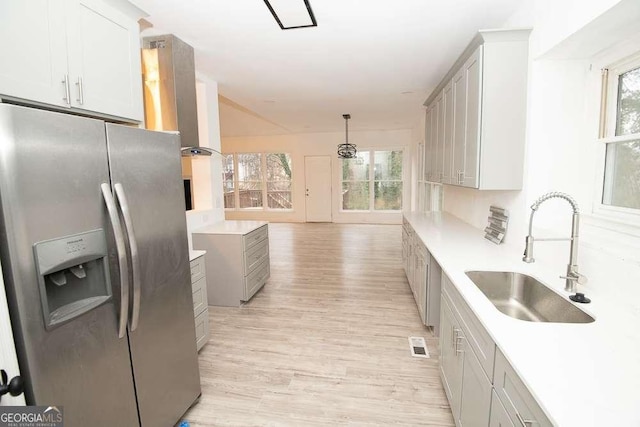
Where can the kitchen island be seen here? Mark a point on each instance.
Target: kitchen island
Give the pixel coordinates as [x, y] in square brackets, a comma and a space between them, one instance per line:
[237, 259]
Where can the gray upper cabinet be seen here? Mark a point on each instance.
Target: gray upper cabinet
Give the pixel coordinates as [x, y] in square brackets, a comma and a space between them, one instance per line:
[481, 110]
[77, 55]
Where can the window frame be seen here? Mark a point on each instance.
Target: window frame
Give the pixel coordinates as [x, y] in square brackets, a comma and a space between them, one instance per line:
[607, 135]
[264, 182]
[371, 180]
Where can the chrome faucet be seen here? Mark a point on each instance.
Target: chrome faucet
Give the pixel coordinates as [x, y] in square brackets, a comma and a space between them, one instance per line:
[572, 276]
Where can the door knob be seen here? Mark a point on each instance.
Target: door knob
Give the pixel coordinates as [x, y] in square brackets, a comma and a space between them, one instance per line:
[15, 387]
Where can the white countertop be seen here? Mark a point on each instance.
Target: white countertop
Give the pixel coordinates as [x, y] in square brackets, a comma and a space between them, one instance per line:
[230, 227]
[193, 254]
[580, 374]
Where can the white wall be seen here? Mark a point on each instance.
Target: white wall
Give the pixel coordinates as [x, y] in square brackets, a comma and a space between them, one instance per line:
[206, 171]
[561, 146]
[301, 145]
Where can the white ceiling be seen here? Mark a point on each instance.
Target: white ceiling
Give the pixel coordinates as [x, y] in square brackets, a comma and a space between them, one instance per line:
[374, 59]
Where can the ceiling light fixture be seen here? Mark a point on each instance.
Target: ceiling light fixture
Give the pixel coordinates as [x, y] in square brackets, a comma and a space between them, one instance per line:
[346, 150]
[290, 14]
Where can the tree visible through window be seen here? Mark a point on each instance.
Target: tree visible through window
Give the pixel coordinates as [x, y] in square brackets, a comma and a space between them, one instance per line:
[279, 181]
[252, 178]
[622, 167]
[387, 186]
[378, 188]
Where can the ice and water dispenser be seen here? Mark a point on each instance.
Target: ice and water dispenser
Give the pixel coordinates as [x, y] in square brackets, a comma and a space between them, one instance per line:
[73, 275]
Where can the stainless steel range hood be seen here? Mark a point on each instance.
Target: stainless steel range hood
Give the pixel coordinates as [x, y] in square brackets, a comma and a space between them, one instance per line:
[169, 78]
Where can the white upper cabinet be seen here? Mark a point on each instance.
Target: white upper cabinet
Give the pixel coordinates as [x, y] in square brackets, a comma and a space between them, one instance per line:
[82, 55]
[483, 101]
[34, 52]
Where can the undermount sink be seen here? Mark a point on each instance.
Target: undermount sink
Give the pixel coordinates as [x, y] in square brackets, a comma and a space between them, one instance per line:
[525, 298]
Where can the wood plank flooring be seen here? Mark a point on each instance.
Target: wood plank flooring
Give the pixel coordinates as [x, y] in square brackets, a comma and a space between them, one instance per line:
[325, 341]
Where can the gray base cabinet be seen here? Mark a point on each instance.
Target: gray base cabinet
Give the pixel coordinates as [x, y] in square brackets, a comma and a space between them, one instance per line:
[499, 415]
[466, 383]
[237, 260]
[424, 276]
[482, 387]
[200, 303]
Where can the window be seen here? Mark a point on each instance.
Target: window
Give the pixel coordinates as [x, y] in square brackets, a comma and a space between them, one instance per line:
[251, 178]
[387, 184]
[621, 184]
[279, 181]
[377, 188]
[228, 181]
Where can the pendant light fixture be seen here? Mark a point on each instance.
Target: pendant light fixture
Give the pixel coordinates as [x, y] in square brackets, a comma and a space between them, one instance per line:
[346, 150]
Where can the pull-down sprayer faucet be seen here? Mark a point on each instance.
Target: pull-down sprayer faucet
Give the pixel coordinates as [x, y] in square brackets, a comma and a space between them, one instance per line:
[572, 276]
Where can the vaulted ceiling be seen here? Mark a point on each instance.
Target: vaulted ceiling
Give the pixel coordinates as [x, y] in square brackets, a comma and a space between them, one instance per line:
[375, 59]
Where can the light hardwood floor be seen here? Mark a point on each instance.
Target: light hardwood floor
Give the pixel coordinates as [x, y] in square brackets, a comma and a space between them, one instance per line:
[325, 341]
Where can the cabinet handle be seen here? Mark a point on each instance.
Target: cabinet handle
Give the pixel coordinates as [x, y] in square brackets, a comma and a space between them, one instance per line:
[459, 339]
[67, 90]
[523, 422]
[80, 97]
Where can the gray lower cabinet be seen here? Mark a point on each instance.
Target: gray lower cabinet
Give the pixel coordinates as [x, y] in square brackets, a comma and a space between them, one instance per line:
[200, 304]
[466, 384]
[475, 402]
[482, 387]
[423, 274]
[499, 416]
[517, 400]
[237, 258]
[450, 360]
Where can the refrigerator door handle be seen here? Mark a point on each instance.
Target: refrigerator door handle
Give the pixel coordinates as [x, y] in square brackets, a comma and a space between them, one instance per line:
[122, 258]
[135, 258]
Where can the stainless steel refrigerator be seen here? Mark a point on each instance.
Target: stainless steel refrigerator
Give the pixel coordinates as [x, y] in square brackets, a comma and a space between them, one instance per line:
[94, 253]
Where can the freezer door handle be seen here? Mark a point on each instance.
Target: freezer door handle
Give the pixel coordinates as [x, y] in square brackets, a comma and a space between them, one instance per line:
[133, 248]
[122, 258]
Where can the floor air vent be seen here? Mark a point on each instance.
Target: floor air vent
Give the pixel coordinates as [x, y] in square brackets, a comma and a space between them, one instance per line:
[418, 347]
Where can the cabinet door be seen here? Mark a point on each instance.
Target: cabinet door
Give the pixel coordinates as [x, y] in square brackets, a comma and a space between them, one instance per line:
[428, 165]
[34, 50]
[499, 416]
[447, 144]
[473, 81]
[438, 139]
[475, 401]
[427, 146]
[434, 142]
[450, 362]
[104, 60]
[420, 281]
[459, 124]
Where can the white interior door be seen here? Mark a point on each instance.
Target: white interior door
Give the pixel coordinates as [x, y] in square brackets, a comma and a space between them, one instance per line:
[317, 176]
[8, 359]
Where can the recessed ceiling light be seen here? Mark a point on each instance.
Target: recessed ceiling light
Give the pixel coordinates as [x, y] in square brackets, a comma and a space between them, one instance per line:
[290, 14]
[407, 92]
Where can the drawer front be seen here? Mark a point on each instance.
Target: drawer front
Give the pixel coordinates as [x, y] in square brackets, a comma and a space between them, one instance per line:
[255, 237]
[478, 338]
[197, 269]
[199, 291]
[202, 329]
[254, 281]
[256, 255]
[516, 398]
